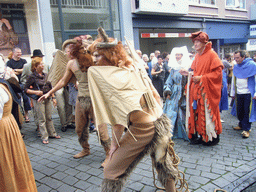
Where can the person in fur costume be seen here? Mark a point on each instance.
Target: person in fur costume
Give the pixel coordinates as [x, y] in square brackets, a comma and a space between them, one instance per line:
[121, 86]
[78, 66]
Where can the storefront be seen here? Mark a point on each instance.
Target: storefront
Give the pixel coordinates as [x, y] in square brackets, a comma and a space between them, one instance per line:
[45, 24]
[164, 33]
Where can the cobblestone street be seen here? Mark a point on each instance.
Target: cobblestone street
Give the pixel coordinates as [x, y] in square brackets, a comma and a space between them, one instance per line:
[231, 165]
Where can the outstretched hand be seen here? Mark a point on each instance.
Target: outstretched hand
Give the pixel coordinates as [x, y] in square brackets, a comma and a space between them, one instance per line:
[42, 98]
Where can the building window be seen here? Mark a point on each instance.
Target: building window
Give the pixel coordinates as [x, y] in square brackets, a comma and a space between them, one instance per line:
[239, 4]
[202, 2]
[228, 49]
[13, 28]
[84, 17]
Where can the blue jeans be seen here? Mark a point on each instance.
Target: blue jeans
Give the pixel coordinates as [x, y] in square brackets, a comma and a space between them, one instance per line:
[26, 100]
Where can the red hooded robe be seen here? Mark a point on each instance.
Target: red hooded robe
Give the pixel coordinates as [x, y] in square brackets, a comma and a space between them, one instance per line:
[210, 67]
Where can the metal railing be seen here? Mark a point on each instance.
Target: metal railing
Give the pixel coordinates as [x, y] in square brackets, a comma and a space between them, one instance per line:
[81, 3]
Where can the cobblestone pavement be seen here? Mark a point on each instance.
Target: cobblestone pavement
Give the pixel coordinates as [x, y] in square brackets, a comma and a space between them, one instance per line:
[230, 165]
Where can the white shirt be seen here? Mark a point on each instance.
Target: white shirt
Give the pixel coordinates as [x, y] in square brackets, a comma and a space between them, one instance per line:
[242, 86]
[4, 98]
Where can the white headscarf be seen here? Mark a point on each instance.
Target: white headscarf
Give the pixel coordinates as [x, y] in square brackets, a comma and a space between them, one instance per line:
[185, 61]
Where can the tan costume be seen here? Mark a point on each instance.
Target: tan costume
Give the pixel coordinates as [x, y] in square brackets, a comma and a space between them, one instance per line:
[115, 93]
[83, 109]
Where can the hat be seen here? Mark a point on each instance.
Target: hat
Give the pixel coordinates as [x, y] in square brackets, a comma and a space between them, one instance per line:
[200, 36]
[37, 53]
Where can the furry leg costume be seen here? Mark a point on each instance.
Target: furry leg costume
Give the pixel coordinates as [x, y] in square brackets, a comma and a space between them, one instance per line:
[83, 109]
[158, 136]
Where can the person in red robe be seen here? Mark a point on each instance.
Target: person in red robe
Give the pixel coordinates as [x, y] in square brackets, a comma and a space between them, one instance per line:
[204, 93]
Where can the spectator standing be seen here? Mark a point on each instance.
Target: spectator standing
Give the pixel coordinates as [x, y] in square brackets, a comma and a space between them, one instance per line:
[37, 53]
[158, 75]
[204, 92]
[37, 80]
[62, 95]
[17, 64]
[145, 59]
[243, 89]
[224, 90]
[155, 59]
[151, 56]
[165, 65]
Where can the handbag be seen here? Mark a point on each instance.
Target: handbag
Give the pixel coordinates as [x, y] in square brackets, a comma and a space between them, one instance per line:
[47, 87]
[155, 77]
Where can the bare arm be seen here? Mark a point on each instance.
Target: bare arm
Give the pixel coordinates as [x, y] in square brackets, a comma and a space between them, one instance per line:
[154, 72]
[34, 92]
[63, 82]
[18, 71]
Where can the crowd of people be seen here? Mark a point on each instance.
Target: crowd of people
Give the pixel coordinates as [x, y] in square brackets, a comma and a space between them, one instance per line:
[158, 98]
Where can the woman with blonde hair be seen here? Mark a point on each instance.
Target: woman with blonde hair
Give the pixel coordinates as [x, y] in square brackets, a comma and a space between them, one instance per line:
[37, 80]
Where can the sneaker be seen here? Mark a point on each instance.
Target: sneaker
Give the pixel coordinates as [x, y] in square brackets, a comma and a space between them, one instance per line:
[237, 128]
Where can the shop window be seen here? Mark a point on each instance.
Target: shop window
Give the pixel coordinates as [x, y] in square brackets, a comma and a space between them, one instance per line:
[228, 49]
[202, 2]
[84, 17]
[238, 4]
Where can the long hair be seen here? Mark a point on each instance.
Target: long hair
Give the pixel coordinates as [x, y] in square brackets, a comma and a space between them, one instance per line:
[79, 52]
[112, 56]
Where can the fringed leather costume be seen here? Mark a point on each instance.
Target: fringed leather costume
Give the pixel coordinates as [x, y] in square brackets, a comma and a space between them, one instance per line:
[115, 93]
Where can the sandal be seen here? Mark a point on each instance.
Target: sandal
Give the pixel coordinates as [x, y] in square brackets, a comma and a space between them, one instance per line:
[55, 137]
[45, 141]
[27, 120]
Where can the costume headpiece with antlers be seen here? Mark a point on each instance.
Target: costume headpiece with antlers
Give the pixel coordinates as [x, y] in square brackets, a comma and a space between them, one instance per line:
[105, 43]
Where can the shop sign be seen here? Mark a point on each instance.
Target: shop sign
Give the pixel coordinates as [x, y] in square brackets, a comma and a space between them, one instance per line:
[252, 30]
[251, 45]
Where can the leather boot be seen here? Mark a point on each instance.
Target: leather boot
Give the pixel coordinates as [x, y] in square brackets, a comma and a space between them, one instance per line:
[83, 153]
